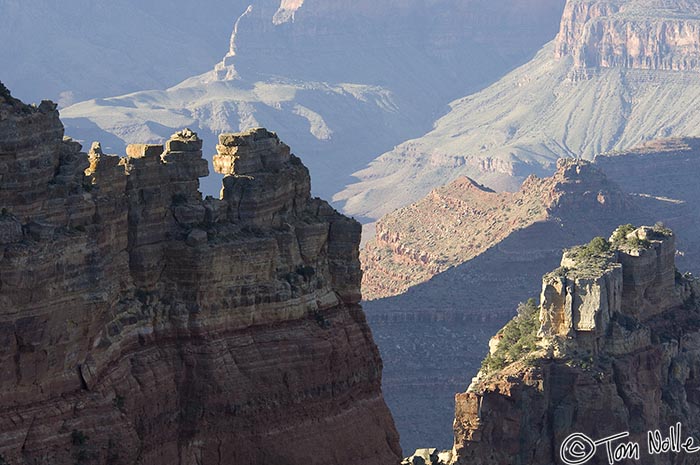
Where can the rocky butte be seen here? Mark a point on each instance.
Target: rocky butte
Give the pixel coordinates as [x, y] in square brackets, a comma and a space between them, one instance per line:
[142, 324]
[614, 346]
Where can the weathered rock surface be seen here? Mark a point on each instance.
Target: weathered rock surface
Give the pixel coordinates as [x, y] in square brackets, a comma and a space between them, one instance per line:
[142, 324]
[631, 371]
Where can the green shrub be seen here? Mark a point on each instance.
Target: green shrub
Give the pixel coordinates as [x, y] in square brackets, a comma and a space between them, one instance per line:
[518, 338]
[119, 402]
[306, 271]
[590, 257]
[597, 246]
[321, 320]
[661, 229]
[620, 239]
[621, 233]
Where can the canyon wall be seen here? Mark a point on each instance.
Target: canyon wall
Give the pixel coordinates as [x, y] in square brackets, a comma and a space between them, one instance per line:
[142, 324]
[638, 34]
[429, 324]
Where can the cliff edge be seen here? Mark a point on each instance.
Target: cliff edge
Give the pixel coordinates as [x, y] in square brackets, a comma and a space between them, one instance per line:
[142, 324]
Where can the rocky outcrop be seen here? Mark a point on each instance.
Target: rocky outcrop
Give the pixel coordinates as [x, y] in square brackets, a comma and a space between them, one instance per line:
[142, 324]
[608, 359]
[462, 220]
[652, 35]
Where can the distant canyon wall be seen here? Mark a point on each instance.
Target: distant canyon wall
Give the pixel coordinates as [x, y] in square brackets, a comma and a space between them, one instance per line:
[652, 35]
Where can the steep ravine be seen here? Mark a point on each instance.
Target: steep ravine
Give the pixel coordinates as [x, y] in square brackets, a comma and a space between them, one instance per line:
[142, 324]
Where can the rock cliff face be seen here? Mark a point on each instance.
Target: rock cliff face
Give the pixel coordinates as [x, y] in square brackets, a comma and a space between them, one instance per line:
[648, 34]
[618, 350]
[144, 324]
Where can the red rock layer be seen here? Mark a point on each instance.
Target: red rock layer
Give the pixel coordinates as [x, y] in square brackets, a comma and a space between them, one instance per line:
[144, 325]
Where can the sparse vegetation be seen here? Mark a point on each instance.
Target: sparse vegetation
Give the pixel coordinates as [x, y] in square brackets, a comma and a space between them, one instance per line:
[321, 320]
[661, 229]
[79, 440]
[623, 240]
[517, 338]
[585, 363]
[592, 256]
[306, 271]
[598, 248]
[112, 452]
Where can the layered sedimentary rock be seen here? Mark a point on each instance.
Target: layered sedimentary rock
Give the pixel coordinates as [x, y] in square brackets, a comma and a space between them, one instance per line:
[608, 358]
[144, 324]
[652, 35]
[485, 252]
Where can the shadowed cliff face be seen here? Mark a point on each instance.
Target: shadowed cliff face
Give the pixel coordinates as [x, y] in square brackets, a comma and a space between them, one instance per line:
[142, 324]
[617, 350]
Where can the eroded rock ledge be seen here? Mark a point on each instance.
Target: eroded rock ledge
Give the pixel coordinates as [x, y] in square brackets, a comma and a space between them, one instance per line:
[142, 324]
